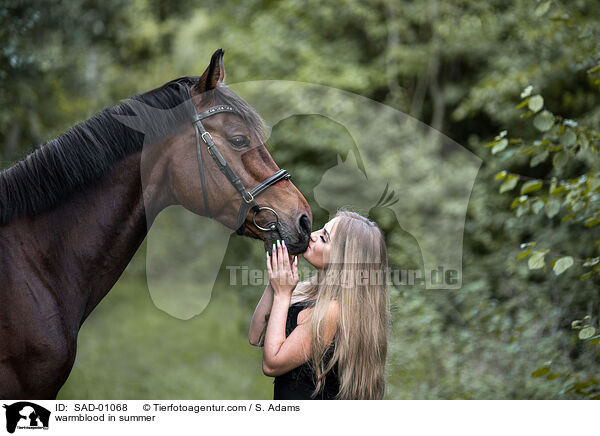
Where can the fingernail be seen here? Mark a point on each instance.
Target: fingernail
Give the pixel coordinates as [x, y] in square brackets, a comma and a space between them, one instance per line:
[273, 246]
[283, 242]
[278, 244]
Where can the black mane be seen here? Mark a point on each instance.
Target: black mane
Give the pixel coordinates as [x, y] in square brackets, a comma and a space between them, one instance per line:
[89, 150]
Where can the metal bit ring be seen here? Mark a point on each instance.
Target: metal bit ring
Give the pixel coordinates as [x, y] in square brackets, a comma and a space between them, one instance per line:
[272, 225]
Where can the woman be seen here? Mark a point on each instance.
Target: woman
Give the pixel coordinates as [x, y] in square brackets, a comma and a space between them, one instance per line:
[326, 337]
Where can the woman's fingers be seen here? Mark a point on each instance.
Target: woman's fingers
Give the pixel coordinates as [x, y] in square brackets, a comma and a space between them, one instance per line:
[280, 263]
[279, 256]
[295, 268]
[285, 258]
[274, 259]
[269, 264]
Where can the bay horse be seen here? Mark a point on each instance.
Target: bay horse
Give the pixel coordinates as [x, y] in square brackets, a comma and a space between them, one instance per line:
[74, 212]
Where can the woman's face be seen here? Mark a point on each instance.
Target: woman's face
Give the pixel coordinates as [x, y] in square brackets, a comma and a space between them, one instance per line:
[317, 253]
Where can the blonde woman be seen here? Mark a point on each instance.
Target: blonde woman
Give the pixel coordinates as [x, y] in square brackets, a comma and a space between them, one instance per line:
[326, 337]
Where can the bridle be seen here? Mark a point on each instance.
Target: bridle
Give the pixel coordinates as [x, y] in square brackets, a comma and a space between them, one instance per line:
[248, 197]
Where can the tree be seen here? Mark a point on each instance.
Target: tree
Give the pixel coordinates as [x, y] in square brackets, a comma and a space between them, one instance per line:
[554, 163]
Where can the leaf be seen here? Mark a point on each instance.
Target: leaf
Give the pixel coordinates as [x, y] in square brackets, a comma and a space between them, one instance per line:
[555, 190]
[592, 222]
[562, 264]
[542, 8]
[568, 138]
[560, 159]
[552, 207]
[544, 121]
[523, 103]
[509, 183]
[501, 135]
[500, 145]
[536, 103]
[538, 158]
[524, 254]
[526, 92]
[587, 332]
[540, 372]
[586, 275]
[531, 186]
[522, 209]
[516, 202]
[538, 206]
[500, 175]
[536, 261]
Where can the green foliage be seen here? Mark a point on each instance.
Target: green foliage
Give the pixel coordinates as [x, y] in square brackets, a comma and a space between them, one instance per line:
[567, 187]
[562, 264]
[567, 141]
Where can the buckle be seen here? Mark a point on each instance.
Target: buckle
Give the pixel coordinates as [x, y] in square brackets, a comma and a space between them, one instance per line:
[246, 199]
[204, 139]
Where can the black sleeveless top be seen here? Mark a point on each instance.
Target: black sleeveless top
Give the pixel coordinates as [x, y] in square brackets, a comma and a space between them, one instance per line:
[299, 383]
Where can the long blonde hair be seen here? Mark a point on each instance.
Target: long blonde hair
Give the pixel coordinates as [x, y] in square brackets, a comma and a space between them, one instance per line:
[358, 250]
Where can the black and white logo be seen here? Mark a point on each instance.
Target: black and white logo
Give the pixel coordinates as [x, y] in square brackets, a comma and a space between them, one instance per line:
[26, 415]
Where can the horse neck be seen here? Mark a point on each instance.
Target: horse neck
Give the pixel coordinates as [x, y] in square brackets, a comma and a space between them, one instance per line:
[88, 240]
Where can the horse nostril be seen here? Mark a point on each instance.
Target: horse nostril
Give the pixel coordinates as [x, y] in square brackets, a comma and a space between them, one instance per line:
[304, 225]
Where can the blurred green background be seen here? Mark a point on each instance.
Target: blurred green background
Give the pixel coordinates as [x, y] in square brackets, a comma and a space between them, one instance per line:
[516, 82]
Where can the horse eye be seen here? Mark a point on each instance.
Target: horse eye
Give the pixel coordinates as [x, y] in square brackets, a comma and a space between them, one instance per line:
[239, 141]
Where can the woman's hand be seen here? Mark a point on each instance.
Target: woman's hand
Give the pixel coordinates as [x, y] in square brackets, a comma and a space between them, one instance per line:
[283, 274]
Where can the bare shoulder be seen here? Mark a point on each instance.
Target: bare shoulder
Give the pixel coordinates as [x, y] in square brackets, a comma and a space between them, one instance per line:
[304, 315]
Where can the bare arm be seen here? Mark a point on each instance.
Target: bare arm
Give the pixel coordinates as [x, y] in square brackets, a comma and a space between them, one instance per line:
[259, 319]
[282, 354]
[275, 334]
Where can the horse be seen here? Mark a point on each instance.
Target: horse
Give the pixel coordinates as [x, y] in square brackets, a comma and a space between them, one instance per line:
[74, 212]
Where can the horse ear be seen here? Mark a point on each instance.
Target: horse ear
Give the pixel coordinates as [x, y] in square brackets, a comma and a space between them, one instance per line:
[213, 75]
